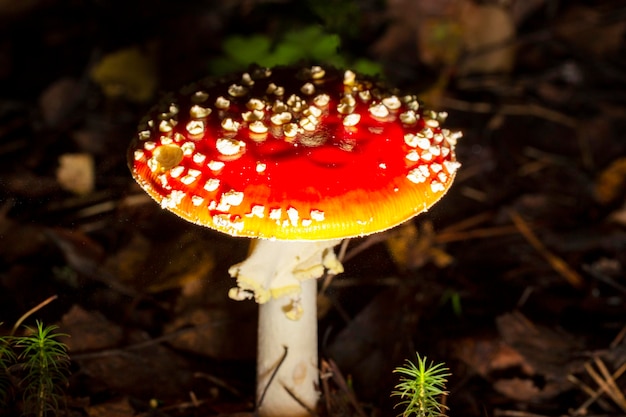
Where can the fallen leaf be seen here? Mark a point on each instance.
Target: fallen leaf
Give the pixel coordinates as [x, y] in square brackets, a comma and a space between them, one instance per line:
[76, 173]
[440, 41]
[128, 262]
[518, 389]
[486, 29]
[214, 333]
[525, 362]
[58, 100]
[128, 73]
[548, 351]
[112, 408]
[142, 367]
[19, 240]
[522, 9]
[488, 355]
[618, 216]
[426, 27]
[588, 30]
[411, 249]
[90, 331]
[610, 184]
[193, 261]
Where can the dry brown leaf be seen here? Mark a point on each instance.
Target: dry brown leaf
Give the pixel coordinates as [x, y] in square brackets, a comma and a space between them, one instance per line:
[128, 73]
[521, 9]
[140, 263]
[442, 32]
[92, 139]
[76, 173]
[128, 262]
[113, 408]
[440, 41]
[128, 368]
[488, 355]
[586, 28]
[214, 333]
[526, 362]
[446, 29]
[412, 249]
[399, 243]
[550, 352]
[486, 27]
[425, 25]
[81, 252]
[90, 331]
[193, 261]
[518, 389]
[58, 100]
[618, 216]
[611, 182]
[27, 239]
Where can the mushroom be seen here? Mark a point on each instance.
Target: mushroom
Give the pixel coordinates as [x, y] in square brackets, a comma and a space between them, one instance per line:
[297, 159]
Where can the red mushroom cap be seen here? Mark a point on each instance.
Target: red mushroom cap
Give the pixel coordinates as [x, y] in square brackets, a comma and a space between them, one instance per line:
[287, 154]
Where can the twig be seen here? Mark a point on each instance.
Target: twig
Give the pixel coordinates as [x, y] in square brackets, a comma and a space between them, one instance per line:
[269, 381]
[614, 391]
[604, 278]
[140, 345]
[193, 403]
[331, 369]
[557, 263]
[619, 338]
[515, 413]
[367, 243]
[219, 382]
[510, 110]
[468, 222]
[606, 385]
[487, 232]
[343, 249]
[594, 395]
[39, 306]
[296, 399]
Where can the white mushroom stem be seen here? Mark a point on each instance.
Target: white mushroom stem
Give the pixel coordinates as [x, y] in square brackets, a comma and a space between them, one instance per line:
[280, 275]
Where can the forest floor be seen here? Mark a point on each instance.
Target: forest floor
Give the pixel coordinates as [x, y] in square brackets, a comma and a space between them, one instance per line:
[516, 280]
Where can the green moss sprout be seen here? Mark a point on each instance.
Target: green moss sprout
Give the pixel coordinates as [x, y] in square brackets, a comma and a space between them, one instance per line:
[7, 359]
[35, 365]
[422, 388]
[45, 362]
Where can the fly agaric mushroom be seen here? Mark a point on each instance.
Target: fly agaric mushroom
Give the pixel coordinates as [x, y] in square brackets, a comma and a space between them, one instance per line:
[299, 159]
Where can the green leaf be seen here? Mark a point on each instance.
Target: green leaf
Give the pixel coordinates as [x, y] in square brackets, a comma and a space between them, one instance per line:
[367, 67]
[247, 49]
[338, 15]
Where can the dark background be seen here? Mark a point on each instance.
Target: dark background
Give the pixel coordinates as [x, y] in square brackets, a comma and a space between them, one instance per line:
[515, 279]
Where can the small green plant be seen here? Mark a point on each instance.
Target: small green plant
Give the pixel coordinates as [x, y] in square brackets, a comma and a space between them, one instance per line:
[7, 358]
[421, 388]
[35, 365]
[305, 44]
[45, 363]
[454, 299]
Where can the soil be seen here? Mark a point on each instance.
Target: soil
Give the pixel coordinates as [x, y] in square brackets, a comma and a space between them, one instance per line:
[515, 279]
